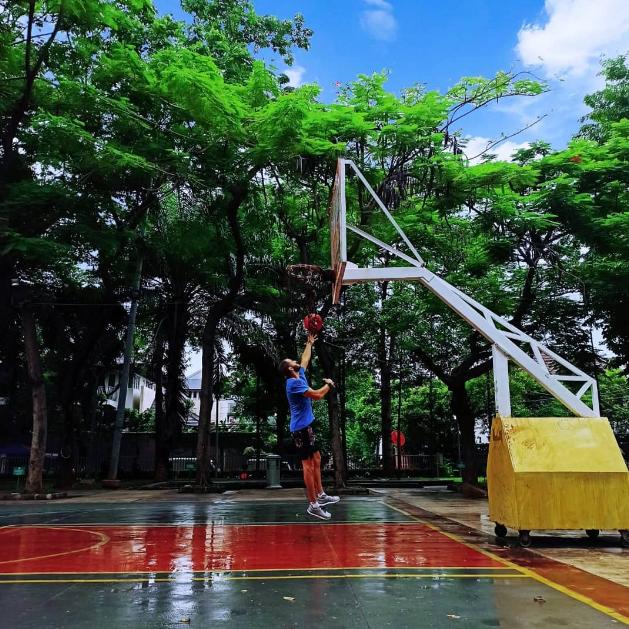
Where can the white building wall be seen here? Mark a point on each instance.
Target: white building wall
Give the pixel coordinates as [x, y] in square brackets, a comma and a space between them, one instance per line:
[225, 408]
[140, 395]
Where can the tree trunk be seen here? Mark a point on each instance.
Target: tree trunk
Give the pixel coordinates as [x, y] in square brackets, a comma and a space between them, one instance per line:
[217, 312]
[40, 417]
[124, 375]
[91, 413]
[9, 351]
[175, 407]
[462, 410]
[66, 470]
[334, 415]
[87, 356]
[162, 450]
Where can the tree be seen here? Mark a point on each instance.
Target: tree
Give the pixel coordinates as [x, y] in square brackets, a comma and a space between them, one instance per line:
[597, 167]
[238, 151]
[406, 149]
[609, 105]
[615, 401]
[40, 415]
[43, 45]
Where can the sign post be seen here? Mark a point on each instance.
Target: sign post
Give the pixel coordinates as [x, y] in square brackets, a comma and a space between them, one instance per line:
[398, 439]
[18, 472]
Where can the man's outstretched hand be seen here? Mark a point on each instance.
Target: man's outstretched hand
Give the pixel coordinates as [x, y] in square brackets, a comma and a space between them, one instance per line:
[311, 339]
[329, 382]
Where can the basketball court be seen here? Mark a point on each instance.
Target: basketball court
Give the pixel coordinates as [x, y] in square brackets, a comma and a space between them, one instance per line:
[262, 563]
[380, 561]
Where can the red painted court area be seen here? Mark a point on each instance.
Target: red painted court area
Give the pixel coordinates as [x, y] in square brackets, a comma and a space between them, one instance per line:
[245, 564]
[220, 547]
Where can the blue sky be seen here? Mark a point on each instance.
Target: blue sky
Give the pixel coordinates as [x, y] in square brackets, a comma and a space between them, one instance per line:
[437, 42]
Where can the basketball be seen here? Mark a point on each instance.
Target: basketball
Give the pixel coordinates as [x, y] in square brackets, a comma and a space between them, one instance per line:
[313, 323]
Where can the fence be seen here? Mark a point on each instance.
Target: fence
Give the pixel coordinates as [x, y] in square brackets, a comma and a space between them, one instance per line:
[229, 465]
[141, 464]
[8, 463]
[417, 464]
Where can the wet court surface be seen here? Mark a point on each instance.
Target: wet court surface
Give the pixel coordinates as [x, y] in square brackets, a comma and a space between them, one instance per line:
[378, 563]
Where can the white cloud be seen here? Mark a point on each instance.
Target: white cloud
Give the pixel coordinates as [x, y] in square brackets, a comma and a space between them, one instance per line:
[379, 21]
[295, 75]
[503, 151]
[565, 46]
[575, 35]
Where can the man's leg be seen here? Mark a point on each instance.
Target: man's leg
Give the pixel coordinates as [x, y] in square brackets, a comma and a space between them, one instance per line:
[309, 479]
[316, 457]
[322, 498]
[310, 475]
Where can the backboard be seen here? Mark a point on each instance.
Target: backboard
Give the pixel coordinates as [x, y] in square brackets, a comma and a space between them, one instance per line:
[338, 238]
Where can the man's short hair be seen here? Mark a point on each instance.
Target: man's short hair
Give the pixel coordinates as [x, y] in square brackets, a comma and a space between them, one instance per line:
[285, 367]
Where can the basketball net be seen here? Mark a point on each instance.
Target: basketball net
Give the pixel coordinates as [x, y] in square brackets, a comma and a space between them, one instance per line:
[308, 285]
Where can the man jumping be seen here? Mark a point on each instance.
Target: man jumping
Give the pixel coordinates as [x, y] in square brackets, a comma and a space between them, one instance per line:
[299, 396]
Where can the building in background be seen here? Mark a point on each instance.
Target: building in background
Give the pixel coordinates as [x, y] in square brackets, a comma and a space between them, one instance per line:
[226, 418]
[140, 394]
[141, 397]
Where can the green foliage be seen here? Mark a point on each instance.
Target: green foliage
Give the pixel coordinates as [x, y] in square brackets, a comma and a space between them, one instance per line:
[363, 414]
[597, 173]
[609, 105]
[614, 396]
[135, 421]
[128, 134]
[226, 29]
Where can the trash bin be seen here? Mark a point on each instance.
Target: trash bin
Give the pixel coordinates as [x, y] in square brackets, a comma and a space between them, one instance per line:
[273, 471]
[556, 473]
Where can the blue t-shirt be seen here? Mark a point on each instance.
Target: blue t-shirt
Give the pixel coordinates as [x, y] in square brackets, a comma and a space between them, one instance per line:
[300, 406]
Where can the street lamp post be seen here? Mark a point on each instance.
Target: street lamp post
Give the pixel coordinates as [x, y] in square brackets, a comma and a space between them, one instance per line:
[399, 424]
[257, 423]
[217, 397]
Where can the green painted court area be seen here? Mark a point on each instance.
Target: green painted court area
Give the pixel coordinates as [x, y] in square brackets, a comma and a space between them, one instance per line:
[260, 564]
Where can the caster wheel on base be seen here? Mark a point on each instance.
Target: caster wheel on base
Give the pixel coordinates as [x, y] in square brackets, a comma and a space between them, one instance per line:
[500, 530]
[592, 533]
[624, 538]
[524, 539]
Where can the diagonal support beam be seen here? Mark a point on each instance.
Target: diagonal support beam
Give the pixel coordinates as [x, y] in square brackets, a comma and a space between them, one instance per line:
[383, 245]
[445, 292]
[382, 206]
[500, 342]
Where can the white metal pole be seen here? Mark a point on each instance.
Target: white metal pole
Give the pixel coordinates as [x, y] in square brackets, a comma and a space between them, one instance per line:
[502, 394]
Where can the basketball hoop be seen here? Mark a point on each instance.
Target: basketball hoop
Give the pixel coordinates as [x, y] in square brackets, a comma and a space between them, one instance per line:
[308, 284]
[311, 274]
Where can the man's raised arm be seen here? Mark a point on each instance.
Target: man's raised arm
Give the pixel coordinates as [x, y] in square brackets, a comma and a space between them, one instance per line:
[307, 353]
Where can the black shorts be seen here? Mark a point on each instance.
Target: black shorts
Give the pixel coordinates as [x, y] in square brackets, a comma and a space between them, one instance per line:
[304, 440]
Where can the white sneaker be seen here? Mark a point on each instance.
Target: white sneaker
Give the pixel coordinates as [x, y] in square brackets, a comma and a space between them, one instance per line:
[316, 511]
[324, 499]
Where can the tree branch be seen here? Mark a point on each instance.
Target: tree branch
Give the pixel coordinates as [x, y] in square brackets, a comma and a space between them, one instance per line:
[491, 145]
[432, 366]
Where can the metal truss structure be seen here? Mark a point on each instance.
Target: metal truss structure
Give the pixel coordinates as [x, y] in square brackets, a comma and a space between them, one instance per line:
[508, 343]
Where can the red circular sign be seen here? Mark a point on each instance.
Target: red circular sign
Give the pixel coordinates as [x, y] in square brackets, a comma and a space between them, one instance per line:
[394, 438]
